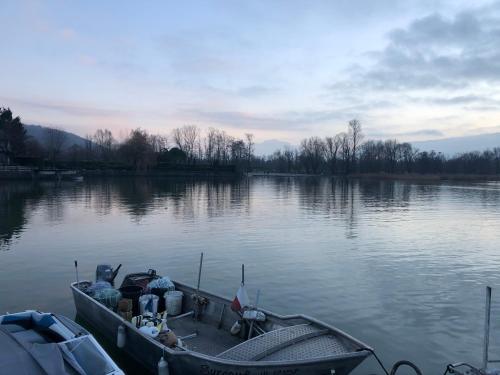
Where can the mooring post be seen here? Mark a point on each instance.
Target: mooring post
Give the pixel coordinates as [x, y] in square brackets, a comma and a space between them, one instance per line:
[487, 314]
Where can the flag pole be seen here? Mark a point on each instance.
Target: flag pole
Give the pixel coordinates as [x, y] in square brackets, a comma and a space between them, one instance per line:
[250, 330]
[77, 279]
[242, 274]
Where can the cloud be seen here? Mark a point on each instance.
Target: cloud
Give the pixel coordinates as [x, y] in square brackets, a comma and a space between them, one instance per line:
[474, 101]
[435, 52]
[66, 108]
[201, 51]
[416, 133]
[256, 91]
[67, 33]
[291, 120]
[87, 60]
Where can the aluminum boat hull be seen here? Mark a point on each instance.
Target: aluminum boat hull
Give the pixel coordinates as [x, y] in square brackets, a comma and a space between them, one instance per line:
[148, 351]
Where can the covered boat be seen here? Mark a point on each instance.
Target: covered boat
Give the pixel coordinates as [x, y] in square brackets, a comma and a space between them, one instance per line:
[264, 343]
[38, 343]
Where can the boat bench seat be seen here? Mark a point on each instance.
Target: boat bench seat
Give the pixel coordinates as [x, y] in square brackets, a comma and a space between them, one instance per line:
[293, 342]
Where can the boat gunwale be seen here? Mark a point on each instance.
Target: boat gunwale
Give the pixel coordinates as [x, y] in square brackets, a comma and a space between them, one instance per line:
[364, 351]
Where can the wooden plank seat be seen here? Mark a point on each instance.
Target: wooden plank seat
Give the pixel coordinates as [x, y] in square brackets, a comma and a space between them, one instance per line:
[271, 342]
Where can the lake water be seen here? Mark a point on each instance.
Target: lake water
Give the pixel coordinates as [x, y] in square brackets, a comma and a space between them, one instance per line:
[401, 266]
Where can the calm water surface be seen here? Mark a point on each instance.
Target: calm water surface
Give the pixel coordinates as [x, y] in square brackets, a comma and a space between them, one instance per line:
[401, 266]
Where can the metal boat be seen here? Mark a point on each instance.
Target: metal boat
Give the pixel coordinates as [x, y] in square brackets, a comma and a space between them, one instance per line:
[40, 343]
[281, 345]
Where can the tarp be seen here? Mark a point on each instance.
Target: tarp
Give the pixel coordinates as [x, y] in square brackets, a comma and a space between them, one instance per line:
[19, 357]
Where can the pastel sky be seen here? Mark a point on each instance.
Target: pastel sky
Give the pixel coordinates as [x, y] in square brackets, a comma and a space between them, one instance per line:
[410, 69]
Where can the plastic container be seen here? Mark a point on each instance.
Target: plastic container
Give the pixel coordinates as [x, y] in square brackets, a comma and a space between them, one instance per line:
[100, 285]
[132, 292]
[148, 302]
[108, 297]
[173, 302]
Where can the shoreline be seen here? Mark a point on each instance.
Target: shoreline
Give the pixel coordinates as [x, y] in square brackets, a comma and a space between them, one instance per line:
[34, 174]
[24, 173]
[424, 177]
[386, 176]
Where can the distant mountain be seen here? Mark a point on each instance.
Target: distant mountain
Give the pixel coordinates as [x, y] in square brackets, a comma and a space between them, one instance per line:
[268, 146]
[452, 146]
[38, 132]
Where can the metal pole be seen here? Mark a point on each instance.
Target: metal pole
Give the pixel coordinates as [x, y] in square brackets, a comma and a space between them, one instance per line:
[242, 274]
[199, 274]
[197, 299]
[487, 327]
[76, 269]
[250, 331]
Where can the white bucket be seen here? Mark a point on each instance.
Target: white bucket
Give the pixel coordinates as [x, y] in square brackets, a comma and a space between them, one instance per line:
[153, 303]
[173, 302]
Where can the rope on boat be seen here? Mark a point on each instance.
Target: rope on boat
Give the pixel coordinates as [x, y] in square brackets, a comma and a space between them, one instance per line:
[405, 363]
[396, 366]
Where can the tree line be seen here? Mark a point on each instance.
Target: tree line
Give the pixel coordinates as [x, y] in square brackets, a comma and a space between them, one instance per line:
[188, 147]
[346, 153]
[140, 150]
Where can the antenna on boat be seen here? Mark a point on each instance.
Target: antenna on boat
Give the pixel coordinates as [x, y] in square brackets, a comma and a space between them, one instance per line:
[76, 270]
[486, 343]
[199, 274]
[242, 274]
[196, 298]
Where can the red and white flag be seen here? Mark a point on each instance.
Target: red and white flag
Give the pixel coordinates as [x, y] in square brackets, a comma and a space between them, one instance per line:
[241, 300]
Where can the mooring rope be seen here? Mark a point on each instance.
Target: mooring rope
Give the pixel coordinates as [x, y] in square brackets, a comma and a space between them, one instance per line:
[396, 366]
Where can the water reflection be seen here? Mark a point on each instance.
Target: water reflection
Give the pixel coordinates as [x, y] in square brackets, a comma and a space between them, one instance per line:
[187, 199]
[332, 199]
[408, 260]
[17, 201]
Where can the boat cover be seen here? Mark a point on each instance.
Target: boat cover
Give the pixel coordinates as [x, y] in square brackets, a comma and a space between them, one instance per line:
[27, 350]
[31, 358]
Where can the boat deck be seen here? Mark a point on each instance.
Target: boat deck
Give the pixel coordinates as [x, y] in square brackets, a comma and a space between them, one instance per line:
[210, 340]
[292, 343]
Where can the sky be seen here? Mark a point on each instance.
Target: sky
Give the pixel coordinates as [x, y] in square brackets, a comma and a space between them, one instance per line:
[407, 69]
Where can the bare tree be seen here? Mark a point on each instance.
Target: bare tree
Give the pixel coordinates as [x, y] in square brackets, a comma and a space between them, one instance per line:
[54, 142]
[249, 149]
[187, 139]
[289, 156]
[332, 149]
[496, 152]
[238, 151]
[103, 138]
[312, 152]
[158, 142]
[345, 151]
[356, 136]
[137, 149]
[89, 146]
[391, 153]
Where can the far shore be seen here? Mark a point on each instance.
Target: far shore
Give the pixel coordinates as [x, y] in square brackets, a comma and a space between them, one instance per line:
[426, 177]
[27, 173]
[387, 176]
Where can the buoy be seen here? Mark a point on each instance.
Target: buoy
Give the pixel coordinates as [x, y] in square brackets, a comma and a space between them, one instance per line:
[150, 331]
[163, 367]
[236, 328]
[121, 337]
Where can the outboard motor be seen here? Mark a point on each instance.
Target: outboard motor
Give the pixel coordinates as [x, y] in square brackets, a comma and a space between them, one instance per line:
[105, 272]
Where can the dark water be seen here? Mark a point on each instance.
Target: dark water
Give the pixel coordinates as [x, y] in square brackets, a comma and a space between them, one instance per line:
[401, 266]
